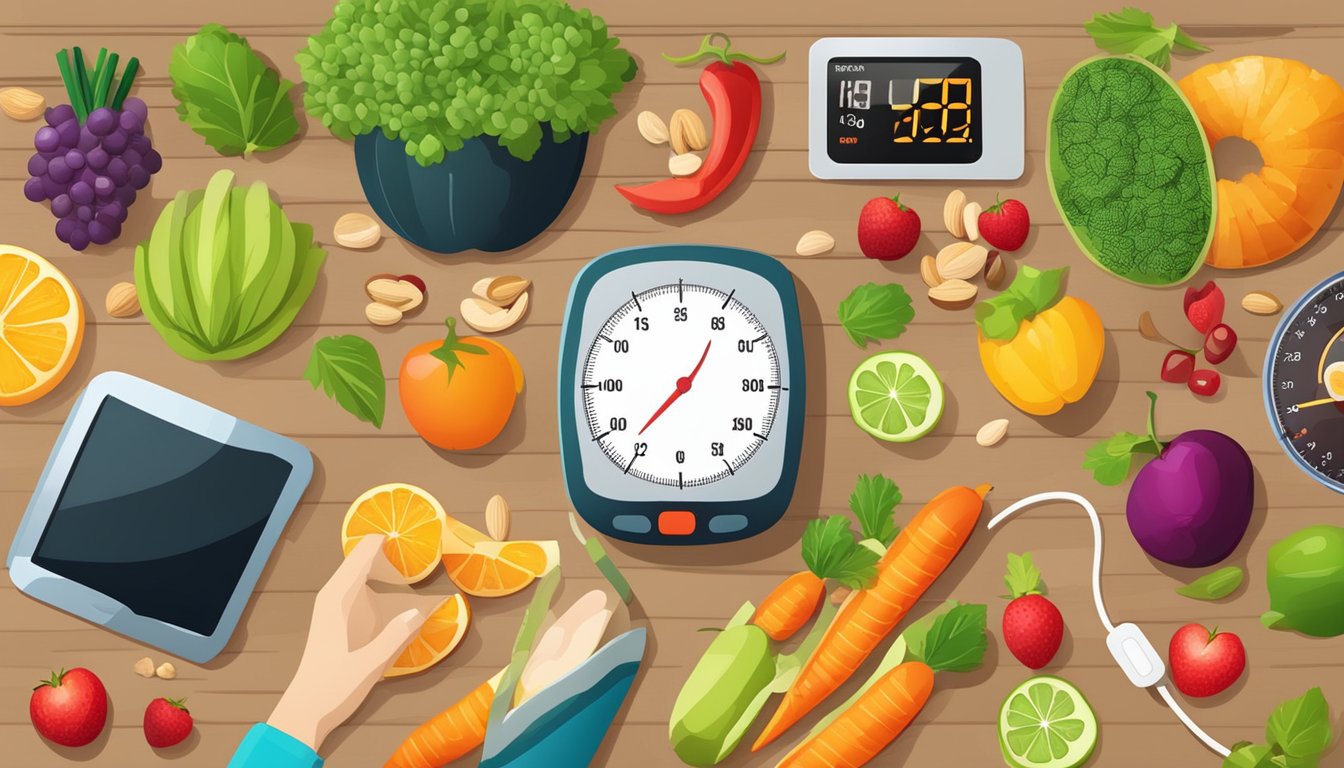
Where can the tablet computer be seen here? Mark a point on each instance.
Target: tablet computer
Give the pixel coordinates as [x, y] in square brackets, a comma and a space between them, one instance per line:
[155, 515]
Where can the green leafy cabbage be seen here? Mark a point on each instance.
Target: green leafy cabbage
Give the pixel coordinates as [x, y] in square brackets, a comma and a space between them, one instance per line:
[435, 73]
[1130, 170]
[224, 271]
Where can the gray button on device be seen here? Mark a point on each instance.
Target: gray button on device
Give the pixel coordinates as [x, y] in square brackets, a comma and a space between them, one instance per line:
[727, 523]
[634, 523]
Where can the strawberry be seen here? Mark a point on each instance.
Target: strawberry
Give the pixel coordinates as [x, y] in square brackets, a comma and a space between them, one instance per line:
[1005, 224]
[1205, 663]
[70, 709]
[167, 722]
[1204, 307]
[1032, 626]
[887, 229]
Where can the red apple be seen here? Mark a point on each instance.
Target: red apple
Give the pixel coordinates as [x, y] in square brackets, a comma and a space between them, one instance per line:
[1205, 663]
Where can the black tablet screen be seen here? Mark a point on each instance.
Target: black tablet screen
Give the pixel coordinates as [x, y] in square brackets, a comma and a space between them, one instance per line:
[159, 518]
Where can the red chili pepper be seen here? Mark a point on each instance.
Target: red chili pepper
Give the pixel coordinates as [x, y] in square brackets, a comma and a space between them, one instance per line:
[733, 93]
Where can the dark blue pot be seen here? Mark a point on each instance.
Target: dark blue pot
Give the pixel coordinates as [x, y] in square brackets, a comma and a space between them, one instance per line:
[479, 197]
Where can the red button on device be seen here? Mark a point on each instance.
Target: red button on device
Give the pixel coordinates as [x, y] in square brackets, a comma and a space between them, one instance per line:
[676, 523]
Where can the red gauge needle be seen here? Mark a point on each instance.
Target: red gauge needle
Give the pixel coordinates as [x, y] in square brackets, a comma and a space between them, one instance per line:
[683, 386]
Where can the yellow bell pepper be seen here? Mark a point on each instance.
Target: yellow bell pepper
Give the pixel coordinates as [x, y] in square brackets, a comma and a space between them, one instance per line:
[1039, 353]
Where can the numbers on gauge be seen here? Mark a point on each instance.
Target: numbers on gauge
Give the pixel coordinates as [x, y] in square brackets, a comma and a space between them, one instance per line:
[641, 323]
[741, 424]
[753, 385]
[1308, 419]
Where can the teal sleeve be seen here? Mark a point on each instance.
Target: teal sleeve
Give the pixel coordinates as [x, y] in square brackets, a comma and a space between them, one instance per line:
[267, 747]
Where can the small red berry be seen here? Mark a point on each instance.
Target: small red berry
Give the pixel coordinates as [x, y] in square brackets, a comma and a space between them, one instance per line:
[1205, 382]
[1204, 306]
[1177, 366]
[1219, 343]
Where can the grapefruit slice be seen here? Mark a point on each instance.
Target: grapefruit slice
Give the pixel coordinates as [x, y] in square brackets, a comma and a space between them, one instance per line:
[412, 520]
[483, 567]
[439, 636]
[41, 326]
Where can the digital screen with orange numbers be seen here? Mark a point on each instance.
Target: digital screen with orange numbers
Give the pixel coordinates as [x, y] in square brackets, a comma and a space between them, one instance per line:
[904, 110]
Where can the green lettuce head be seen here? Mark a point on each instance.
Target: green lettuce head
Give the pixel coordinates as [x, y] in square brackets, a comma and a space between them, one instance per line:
[435, 73]
[1305, 574]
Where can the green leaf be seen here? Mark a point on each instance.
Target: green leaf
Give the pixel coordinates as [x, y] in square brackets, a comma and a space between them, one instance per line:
[873, 312]
[831, 552]
[228, 95]
[348, 370]
[1110, 459]
[1022, 577]
[953, 640]
[1301, 727]
[1132, 31]
[1032, 291]
[1247, 755]
[873, 503]
[1215, 585]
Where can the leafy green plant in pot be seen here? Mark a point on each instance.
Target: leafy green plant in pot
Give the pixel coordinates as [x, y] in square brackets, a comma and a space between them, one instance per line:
[470, 117]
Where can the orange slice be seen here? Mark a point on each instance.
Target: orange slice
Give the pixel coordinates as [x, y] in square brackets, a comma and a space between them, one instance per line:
[483, 567]
[41, 325]
[412, 520]
[440, 635]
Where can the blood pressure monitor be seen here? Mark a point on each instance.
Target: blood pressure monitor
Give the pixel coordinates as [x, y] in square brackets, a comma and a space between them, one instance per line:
[915, 108]
[681, 393]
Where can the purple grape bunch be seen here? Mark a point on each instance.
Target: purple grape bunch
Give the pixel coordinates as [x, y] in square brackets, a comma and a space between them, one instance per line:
[92, 155]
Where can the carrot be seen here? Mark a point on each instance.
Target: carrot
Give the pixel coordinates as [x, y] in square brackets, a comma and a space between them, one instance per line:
[786, 609]
[875, 720]
[450, 734]
[921, 552]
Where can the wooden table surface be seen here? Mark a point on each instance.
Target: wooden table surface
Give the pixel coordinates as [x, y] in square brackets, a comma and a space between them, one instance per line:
[682, 590]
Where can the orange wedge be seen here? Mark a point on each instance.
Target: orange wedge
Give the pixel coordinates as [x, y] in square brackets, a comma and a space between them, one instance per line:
[439, 636]
[483, 567]
[41, 325]
[410, 518]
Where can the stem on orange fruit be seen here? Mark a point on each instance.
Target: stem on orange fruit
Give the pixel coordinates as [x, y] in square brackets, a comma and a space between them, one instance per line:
[452, 347]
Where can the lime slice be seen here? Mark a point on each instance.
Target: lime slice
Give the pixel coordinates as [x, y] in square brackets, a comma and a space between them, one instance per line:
[895, 396]
[1046, 723]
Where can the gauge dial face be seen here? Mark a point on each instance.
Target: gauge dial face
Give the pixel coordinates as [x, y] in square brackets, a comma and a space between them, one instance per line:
[681, 385]
[1306, 388]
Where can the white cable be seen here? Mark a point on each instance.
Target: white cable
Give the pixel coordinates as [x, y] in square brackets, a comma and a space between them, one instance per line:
[1042, 498]
[1066, 496]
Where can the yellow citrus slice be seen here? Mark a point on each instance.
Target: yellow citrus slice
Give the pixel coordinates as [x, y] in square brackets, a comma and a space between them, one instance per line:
[440, 635]
[410, 518]
[483, 567]
[41, 325]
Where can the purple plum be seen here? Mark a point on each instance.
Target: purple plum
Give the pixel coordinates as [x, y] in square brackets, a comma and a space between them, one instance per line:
[1191, 505]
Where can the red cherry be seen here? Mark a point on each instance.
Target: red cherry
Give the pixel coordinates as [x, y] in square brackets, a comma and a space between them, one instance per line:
[1220, 342]
[1177, 366]
[1205, 382]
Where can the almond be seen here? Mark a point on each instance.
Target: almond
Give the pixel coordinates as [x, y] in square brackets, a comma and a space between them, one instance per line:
[961, 261]
[928, 270]
[1261, 303]
[145, 667]
[381, 314]
[504, 291]
[684, 165]
[356, 231]
[992, 432]
[953, 294]
[497, 518]
[995, 272]
[123, 301]
[970, 221]
[395, 292]
[815, 243]
[166, 671]
[22, 104]
[652, 127]
[953, 218]
[489, 318]
[686, 132]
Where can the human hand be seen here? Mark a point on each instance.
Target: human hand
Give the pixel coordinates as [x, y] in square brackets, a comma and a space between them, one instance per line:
[355, 635]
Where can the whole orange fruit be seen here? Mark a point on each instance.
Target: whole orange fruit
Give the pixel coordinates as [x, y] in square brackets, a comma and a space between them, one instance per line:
[458, 393]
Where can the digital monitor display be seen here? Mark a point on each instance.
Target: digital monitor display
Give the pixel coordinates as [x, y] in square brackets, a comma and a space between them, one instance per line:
[904, 110]
[160, 518]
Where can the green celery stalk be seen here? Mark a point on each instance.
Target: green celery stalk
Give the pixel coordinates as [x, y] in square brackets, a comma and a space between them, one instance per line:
[68, 77]
[82, 80]
[95, 77]
[103, 82]
[127, 77]
[598, 555]
[533, 618]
